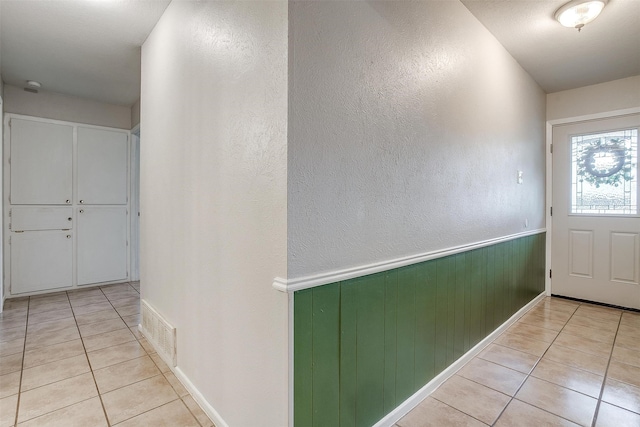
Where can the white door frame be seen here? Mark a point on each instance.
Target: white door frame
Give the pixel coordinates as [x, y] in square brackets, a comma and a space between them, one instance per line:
[549, 174]
[134, 274]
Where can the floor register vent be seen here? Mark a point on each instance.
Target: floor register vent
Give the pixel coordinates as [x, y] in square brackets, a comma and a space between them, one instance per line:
[160, 333]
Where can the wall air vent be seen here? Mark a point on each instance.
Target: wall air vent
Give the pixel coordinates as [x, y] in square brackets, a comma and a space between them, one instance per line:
[159, 333]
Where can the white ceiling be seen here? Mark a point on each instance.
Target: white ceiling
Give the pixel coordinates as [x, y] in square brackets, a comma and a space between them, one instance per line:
[560, 58]
[85, 48]
[91, 48]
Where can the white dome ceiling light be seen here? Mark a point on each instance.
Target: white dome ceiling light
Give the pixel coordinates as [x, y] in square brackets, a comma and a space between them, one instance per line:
[578, 13]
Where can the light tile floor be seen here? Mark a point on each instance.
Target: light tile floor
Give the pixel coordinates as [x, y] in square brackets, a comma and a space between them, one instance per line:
[563, 363]
[76, 358]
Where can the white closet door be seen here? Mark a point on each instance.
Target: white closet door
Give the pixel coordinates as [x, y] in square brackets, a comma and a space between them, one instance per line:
[41, 260]
[102, 167]
[102, 244]
[41, 163]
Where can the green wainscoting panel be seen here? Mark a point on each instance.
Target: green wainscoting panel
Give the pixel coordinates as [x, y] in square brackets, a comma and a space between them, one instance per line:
[364, 345]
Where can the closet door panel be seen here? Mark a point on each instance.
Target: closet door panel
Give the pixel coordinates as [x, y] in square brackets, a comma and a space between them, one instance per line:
[41, 260]
[102, 244]
[41, 163]
[102, 167]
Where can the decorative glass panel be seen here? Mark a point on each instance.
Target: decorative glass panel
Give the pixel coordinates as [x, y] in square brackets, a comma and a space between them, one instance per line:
[604, 173]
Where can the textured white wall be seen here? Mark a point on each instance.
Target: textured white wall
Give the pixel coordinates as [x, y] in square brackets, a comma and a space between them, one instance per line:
[62, 107]
[213, 199]
[408, 122]
[604, 97]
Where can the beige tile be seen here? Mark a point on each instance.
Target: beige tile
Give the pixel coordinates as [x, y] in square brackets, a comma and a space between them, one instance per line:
[598, 313]
[11, 347]
[132, 400]
[606, 337]
[136, 332]
[583, 344]
[84, 294]
[197, 412]
[176, 384]
[15, 322]
[563, 375]
[612, 416]
[520, 414]
[136, 286]
[52, 326]
[108, 339]
[630, 319]
[555, 316]
[128, 310]
[494, 376]
[101, 327]
[629, 331]
[84, 414]
[98, 316]
[38, 300]
[164, 368]
[13, 314]
[130, 300]
[52, 353]
[8, 408]
[622, 394]
[558, 305]
[115, 354]
[534, 332]
[628, 342]
[12, 304]
[49, 398]
[92, 308]
[11, 363]
[95, 299]
[45, 339]
[610, 326]
[132, 320]
[51, 306]
[522, 343]
[542, 322]
[107, 289]
[125, 373]
[558, 400]
[49, 316]
[53, 372]
[433, 413]
[147, 345]
[472, 398]
[9, 384]
[505, 356]
[626, 355]
[626, 373]
[170, 414]
[113, 296]
[12, 334]
[577, 359]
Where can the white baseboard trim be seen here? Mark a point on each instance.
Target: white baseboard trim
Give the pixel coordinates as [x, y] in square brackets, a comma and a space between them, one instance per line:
[300, 283]
[191, 388]
[405, 407]
[199, 398]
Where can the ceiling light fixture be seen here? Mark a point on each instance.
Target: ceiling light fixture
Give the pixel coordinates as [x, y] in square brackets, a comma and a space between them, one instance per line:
[32, 86]
[578, 13]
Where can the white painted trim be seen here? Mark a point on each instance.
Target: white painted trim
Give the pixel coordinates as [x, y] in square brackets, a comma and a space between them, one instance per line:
[291, 303]
[405, 407]
[297, 284]
[549, 176]
[191, 388]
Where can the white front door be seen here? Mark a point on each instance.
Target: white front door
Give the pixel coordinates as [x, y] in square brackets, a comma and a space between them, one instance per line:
[596, 221]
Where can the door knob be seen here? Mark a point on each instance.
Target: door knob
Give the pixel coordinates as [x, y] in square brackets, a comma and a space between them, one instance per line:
[69, 219]
[68, 201]
[68, 236]
[81, 210]
[81, 202]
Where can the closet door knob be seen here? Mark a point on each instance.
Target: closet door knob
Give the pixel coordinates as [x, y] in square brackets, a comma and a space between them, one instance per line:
[81, 210]
[81, 202]
[68, 201]
[68, 236]
[69, 219]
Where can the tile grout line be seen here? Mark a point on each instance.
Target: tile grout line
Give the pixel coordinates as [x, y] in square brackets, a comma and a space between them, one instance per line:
[531, 371]
[24, 350]
[86, 355]
[606, 372]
